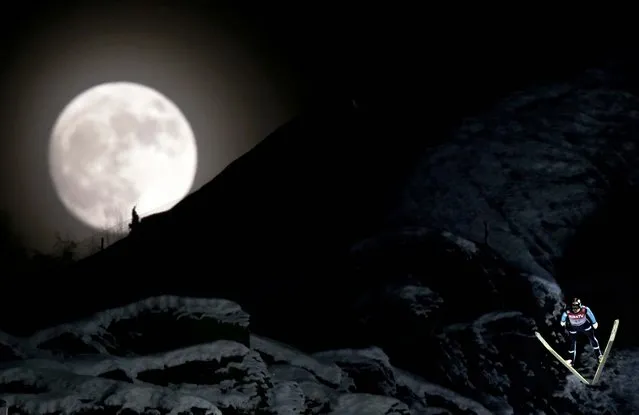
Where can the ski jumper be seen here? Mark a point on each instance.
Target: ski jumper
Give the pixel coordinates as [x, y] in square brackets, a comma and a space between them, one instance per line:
[580, 322]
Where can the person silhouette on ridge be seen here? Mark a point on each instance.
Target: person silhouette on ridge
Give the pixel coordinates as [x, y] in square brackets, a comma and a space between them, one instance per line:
[135, 219]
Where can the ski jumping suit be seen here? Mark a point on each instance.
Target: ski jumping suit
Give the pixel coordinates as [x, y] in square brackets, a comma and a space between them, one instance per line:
[580, 322]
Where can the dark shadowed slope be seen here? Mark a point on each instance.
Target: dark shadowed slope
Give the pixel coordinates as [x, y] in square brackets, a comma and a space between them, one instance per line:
[302, 196]
[526, 174]
[548, 179]
[307, 190]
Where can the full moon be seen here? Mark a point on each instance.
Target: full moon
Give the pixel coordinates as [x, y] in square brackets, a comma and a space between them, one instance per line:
[119, 145]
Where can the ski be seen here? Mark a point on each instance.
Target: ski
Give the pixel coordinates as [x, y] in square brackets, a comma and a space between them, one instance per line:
[606, 352]
[563, 362]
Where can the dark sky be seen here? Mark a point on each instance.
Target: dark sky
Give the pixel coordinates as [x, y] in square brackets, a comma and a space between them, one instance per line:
[239, 73]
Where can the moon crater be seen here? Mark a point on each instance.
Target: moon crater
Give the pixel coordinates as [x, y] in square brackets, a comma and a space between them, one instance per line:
[118, 145]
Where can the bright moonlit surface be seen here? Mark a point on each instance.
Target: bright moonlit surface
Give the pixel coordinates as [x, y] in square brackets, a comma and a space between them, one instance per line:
[117, 145]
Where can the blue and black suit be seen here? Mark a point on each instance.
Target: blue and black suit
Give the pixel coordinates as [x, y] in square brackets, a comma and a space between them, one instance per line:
[580, 321]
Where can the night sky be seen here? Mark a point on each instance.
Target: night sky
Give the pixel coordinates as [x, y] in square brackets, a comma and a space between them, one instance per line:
[239, 73]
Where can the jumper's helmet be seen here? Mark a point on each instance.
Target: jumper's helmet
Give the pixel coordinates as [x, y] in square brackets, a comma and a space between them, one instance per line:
[576, 304]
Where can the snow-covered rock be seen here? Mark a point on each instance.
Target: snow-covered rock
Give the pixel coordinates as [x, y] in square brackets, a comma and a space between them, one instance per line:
[372, 374]
[428, 398]
[362, 403]
[37, 390]
[369, 369]
[273, 352]
[485, 357]
[486, 365]
[152, 325]
[226, 373]
[453, 312]
[288, 398]
[526, 174]
[221, 376]
[210, 372]
[299, 380]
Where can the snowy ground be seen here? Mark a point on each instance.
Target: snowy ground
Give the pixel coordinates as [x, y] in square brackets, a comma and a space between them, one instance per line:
[50, 373]
[105, 363]
[617, 391]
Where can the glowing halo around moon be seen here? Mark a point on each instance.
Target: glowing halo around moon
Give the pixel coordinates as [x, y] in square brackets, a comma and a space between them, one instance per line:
[117, 145]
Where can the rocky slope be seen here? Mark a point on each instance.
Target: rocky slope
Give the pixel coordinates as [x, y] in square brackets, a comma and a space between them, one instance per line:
[175, 355]
[525, 175]
[118, 360]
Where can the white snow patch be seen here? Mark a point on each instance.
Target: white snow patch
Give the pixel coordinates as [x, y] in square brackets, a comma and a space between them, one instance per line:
[69, 393]
[217, 350]
[287, 398]
[466, 245]
[285, 373]
[366, 404]
[281, 353]
[354, 355]
[243, 394]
